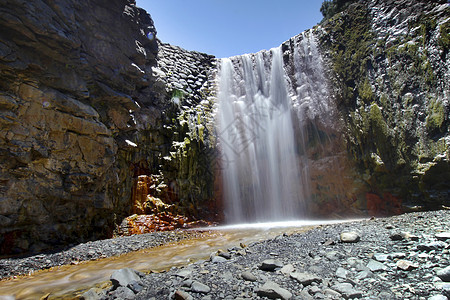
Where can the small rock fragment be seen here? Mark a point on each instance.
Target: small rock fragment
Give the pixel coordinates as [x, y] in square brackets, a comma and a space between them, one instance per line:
[198, 287]
[272, 290]
[123, 277]
[443, 236]
[287, 269]
[182, 295]
[270, 265]
[375, 266]
[305, 278]
[406, 265]
[347, 290]
[444, 274]
[248, 276]
[350, 237]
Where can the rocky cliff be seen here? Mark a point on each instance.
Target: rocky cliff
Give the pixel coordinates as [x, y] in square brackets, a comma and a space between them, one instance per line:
[100, 120]
[88, 104]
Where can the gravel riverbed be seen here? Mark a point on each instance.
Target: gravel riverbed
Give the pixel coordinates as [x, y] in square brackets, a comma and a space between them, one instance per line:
[400, 257]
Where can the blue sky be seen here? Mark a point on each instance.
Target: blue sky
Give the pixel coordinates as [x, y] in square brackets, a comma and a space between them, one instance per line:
[226, 28]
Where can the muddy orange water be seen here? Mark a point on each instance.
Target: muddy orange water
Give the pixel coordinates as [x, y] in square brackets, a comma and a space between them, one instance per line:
[71, 280]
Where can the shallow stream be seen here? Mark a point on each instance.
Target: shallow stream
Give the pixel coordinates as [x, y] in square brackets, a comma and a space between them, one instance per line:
[71, 280]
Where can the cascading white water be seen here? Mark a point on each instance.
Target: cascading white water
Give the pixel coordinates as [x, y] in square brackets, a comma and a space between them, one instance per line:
[261, 174]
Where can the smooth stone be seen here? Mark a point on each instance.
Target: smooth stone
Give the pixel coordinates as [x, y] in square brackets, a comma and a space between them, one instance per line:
[350, 237]
[443, 236]
[406, 265]
[198, 287]
[381, 257]
[287, 269]
[375, 266]
[363, 275]
[272, 290]
[182, 295]
[444, 274]
[247, 276]
[305, 278]
[270, 265]
[123, 277]
[218, 259]
[342, 273]
[184, 273]
[347, 290]
[438, 297]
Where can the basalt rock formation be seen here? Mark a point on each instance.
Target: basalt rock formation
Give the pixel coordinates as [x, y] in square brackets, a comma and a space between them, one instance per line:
[100, 120]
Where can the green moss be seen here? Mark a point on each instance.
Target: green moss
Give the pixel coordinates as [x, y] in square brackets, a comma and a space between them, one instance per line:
[365, 92]
[444, 36]
[436, 116]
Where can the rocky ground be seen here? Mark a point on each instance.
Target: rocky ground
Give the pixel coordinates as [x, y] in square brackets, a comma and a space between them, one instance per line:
[402, 257]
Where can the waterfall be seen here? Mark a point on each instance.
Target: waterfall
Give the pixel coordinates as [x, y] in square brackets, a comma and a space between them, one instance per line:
[261, 172]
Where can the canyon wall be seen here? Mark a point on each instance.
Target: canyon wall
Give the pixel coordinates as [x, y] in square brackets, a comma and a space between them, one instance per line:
[100, 120]
[87, 105]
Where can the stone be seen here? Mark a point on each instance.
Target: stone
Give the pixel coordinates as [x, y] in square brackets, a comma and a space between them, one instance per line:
[431, 246]
[444, 274]
[305, 278]
[375, 266]
[124, 277]
[381, 257]
[443, 236]
[347, 290]
[198, 287]
[272, 290]
[247, 276]
[287, 269]
[185, 273]
[438, 297]
[136, 286]
[342, 273]
[218, 259]
[90, 295]
[124, 293]
[270, 265]
[182, 295]
[406, 265]
[350, 237]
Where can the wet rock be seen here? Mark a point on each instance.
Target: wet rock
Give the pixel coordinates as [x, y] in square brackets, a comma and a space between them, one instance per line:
[305, 278]
[198, 287]
[349, 237]
[272, 290]
[124, 277]
[270, 265]
[444, 274]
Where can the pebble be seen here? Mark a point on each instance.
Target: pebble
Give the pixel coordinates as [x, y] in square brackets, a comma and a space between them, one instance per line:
[406, 265]
[248, 276]
[272, 290]
[443, 236]
[375, 266]
[198, 287]
[305, 278]
[350, 237]
[444, 274]
[270, 265]
[347, 290]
